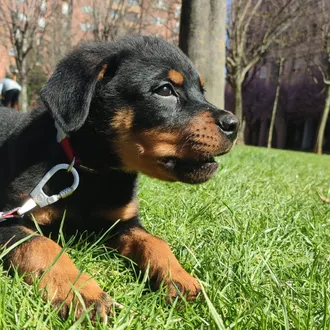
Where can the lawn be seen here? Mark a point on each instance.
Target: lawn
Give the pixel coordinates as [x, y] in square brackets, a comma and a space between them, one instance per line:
[257, 236]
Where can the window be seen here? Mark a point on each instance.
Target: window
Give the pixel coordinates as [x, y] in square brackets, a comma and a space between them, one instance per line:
[43, 6]
[131, 16]
[263, 73]
[21, 16]
[177, 27]
[87, 9]
[177, 11]
[87, 26]
[158, 20]
[114, 13]
[11, 52]
[65, 8]
[298, 65]
[133, 3]
[160, 4]
[41, 23]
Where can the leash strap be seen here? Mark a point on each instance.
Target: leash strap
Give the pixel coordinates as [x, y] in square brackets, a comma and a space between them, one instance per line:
[10, 214]
[38, 197]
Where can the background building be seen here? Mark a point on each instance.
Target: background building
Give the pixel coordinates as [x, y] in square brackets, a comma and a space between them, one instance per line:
[68, 22]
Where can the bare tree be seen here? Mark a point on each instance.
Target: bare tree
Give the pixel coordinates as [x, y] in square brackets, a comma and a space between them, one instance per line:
[277, 96]
[321, 25]
[253, 26]
[60, 36]
[202, 38]
[108, 19]
[168, 12]
[24, 24]
[104, 20]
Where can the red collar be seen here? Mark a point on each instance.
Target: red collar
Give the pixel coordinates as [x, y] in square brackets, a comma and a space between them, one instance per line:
[64, 141]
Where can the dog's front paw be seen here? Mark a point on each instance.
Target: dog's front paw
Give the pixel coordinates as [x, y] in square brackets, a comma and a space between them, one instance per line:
[82, 293]
[152, 254]
[182, 283]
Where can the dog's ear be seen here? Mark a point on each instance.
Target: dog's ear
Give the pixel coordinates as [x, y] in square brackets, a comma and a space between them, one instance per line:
[69, 91]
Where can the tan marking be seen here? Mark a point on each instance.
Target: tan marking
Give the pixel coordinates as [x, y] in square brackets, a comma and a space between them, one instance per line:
[151, 251]
[204, 137]
[46, 215]
[176, 77]
[202, 81]
[136, 151]
[122, 120]
[41, 254]
[102, 72]
[122, 213]
[142, 152]
[160, 144]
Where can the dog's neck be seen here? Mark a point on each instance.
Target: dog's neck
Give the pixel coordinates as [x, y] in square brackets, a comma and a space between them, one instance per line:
[90, 152]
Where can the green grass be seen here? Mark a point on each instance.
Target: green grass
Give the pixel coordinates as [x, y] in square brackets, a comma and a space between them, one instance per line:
[257, 236]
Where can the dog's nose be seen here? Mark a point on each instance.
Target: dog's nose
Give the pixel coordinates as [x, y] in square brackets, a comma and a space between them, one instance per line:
[228, 124]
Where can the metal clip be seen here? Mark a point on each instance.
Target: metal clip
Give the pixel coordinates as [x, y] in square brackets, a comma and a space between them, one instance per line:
[38, 196]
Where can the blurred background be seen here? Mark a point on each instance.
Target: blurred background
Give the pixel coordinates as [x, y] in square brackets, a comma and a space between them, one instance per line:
[268, 61]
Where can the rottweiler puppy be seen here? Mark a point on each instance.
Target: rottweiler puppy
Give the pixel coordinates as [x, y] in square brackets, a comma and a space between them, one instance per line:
[133, 105]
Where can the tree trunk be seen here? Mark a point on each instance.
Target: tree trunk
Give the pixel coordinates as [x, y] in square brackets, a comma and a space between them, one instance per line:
[281, 130]
[66, 30]
[323, 123]
[263, 133]
[24, 104]
[185, 33]
[215, 79]
[202, 38]
[277, 95]
[308, 135]
[238, 106]
[194, 29]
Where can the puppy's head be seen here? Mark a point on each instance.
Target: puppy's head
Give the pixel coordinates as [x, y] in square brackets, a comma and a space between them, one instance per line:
[145, 98]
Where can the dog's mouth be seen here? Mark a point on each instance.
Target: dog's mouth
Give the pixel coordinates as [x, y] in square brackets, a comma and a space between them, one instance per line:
[189, 170]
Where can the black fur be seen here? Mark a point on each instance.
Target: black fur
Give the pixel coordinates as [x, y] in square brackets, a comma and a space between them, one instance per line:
[84, 104]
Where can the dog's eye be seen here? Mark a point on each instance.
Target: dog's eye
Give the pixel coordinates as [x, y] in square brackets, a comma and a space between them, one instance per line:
[165, 90]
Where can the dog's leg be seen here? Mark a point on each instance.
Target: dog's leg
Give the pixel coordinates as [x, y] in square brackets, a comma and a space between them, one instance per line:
[40, 258]
[151, 251]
